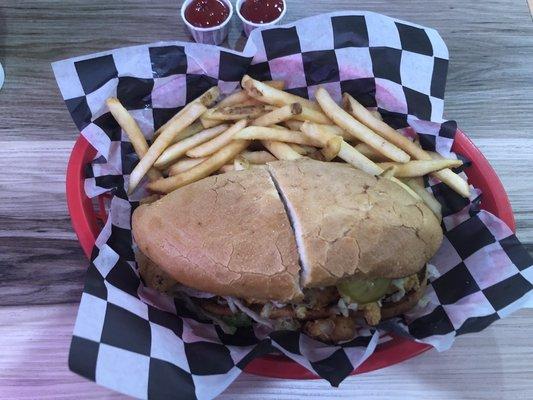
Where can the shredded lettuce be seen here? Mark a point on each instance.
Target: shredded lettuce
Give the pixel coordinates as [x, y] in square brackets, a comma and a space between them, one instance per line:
[265, 311]
[343, 308]
[252, 314]
[238, 320]
[301, 311]
[432, 272]
[286, 324]
[400, 285]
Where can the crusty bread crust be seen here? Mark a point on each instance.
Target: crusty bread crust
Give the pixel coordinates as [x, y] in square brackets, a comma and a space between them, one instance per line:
[226, 234]
[350, 223]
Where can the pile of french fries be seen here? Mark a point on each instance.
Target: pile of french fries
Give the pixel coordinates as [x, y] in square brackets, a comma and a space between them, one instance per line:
[206, 138]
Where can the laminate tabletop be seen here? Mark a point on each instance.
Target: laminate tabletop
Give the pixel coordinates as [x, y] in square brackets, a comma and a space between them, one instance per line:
[489, 93]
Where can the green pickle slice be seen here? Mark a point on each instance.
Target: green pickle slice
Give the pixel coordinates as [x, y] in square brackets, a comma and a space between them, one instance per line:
[363, 290]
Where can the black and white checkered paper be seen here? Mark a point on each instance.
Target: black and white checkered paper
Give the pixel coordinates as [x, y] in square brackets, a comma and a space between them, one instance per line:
[136, 341]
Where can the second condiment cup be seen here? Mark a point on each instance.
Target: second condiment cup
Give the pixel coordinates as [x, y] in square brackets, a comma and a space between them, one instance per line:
[249, 26]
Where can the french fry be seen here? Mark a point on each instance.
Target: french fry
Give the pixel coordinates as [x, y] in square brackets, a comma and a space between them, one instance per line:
[215, 144]
[251, 102]
[416, 168]
[200, 171]
[454, 181]
[276, 134]
[276, 84]
[389, 172]
[282, 151]
[292, 124]
[240, 164]
[430, 201]
[358, 111]
[333, 129]
[210, 123]
[240, 97]
[192, 129]
[376, 115]
[234, 99]
[226, 168]
[267, 94]
[446, 175]
[177, 150]
[311, 115]
[369, 152]
[184, 165]
[358, 130]
[297, 148]
[258, 157]
[234, 113]
[346, 152]
[351, 155]
[278, 115]
[129, 125]
[208, 98]
[187, 116]
[332, 148]
[302, 149]
[317, 155]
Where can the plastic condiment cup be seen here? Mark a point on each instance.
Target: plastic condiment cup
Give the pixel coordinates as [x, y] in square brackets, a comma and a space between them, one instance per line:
[212, 35]
[249, 26]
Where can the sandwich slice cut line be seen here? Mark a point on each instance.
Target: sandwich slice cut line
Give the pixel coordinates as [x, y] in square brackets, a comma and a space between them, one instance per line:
[295, 225]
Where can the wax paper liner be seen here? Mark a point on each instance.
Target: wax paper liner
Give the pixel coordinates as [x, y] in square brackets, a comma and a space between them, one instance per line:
[133, 340]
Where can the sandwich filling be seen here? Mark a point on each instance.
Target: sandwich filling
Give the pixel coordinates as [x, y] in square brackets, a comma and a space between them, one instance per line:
[331, 314]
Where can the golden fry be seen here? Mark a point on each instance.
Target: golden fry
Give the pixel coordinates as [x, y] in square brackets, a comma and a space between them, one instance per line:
[332, 148]
[207, 99]
[275, 133]
[177, 150]
[266, 94]
[416, 168]
[376, 115]
[184, 165]
[430, 201]
[215, 144]
[346, 152]
[129, 125]
[240, 97]
[358, 130]
[234, 113]
[369, 152]
[234, 99]
[278, 115]
[446, 175]
[282, 151]
[186, 117]
[226, 168]
[302, 149]
[333, 129]
[258, 157]
[200, 171]
[311, 115]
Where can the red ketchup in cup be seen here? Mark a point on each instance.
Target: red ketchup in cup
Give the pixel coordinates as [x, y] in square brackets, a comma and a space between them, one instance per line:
[206, 13]
[261, 11]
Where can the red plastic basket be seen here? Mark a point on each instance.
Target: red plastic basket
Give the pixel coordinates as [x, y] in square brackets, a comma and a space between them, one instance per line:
[88, 217]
